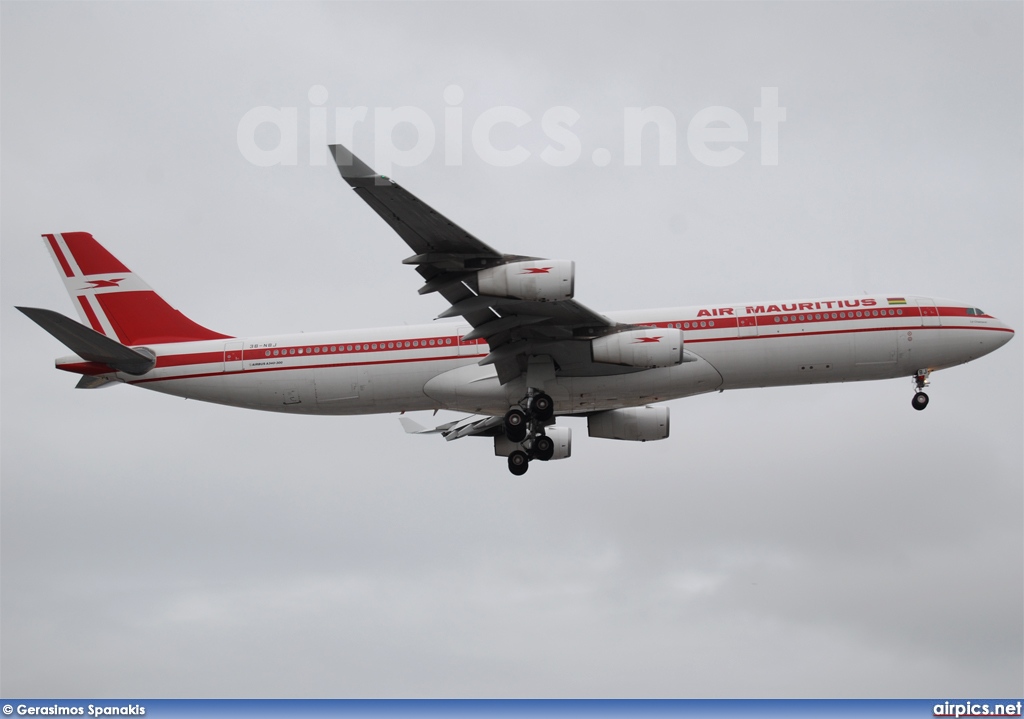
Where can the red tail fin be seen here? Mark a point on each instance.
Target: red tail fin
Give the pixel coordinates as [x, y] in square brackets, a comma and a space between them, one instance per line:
[113, 300]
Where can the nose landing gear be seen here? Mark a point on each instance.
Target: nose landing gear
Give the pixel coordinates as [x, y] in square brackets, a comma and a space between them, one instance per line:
[524, 425]
[920, 400]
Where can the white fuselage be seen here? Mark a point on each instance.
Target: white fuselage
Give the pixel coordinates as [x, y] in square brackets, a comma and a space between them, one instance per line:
[427, 367]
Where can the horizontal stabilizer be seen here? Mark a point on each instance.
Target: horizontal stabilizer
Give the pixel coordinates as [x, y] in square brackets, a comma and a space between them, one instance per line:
[93, 382]
[89, 344]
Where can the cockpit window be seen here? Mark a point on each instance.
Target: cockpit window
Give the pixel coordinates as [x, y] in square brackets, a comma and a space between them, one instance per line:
[974, 311]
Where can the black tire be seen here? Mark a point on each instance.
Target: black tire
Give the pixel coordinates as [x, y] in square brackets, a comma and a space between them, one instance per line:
[542, 407]
[515, 425]
[544, 448]
[518, 463]
[920, 401]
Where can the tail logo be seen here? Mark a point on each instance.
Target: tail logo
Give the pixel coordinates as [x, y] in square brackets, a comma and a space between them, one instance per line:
[96, 284]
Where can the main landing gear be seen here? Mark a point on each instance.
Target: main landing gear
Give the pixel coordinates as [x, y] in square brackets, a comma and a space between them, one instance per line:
[524, 425]
[921, 381]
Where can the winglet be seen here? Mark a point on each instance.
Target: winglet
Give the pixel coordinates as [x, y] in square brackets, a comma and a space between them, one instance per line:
[350, 166]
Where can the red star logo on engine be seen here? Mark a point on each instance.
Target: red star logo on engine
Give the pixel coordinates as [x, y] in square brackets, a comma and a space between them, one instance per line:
[536, 271]
[96, 284]
[647, 340]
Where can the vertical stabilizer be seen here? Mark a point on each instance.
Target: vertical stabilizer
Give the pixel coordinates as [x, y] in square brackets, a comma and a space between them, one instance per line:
[113, 300]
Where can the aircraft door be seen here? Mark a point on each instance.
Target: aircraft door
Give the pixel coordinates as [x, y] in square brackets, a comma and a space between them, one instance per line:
[746, 326]
[233, 356]
[473, 347]
[929, 313]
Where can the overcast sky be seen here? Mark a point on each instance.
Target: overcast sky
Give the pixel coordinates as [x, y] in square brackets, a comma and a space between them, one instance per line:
[818, 541]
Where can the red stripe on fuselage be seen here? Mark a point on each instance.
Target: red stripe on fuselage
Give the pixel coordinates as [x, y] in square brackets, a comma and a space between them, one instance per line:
[197, 359]
[338, 365]
[189, 359]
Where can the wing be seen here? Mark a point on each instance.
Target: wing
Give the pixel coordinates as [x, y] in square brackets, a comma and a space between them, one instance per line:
[485, 286]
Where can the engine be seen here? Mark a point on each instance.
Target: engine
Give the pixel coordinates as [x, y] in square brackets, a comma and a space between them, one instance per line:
[636, 424]
[560, 436]
[649, 347]
[540, 280]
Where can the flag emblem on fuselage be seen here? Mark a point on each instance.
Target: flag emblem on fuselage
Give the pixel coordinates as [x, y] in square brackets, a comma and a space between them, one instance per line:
[897, 301]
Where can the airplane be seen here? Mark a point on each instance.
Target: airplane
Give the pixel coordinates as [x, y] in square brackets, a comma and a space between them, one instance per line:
[523, 353]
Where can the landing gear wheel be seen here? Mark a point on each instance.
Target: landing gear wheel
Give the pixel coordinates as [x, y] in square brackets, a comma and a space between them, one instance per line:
[518, 463]
[542, 407]
[920, 401]
[515, 426]
[544, 448]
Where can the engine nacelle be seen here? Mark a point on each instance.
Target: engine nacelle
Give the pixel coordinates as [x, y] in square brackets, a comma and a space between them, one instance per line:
[648, 347]
[560, 436]
[540, 280]
[636, 424]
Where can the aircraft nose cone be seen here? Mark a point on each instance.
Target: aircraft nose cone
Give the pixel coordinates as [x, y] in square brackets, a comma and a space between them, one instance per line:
[1003, 334]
